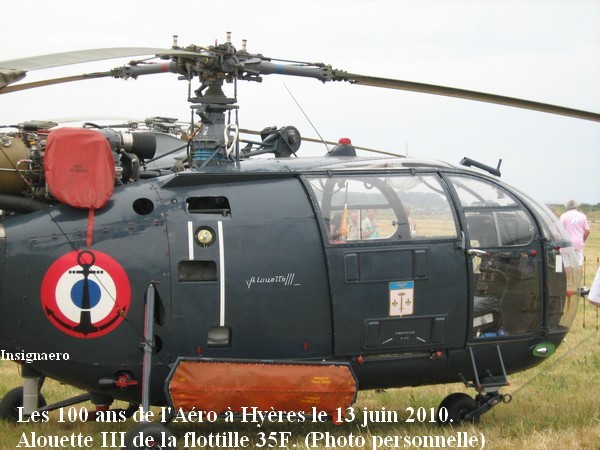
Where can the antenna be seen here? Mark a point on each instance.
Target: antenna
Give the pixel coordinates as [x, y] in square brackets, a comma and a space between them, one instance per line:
[307, 118]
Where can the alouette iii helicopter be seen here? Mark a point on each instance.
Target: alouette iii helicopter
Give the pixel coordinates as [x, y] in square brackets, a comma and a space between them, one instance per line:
[219, 281]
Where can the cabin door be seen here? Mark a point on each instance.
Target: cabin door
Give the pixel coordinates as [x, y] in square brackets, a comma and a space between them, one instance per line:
[397, 268]
[505, 262]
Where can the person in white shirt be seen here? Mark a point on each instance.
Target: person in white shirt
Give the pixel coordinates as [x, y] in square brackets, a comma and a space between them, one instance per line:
[577, 227]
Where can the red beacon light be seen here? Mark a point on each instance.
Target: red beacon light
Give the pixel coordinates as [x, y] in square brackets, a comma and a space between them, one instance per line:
[343, 148]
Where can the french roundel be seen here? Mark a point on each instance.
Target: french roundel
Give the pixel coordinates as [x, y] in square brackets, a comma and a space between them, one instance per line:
[86, 294]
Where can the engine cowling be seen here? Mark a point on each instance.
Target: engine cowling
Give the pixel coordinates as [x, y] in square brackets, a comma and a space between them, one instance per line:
[12, 151]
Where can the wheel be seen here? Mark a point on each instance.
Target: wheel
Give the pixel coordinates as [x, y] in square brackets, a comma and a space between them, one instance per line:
[457, 406]
[12, 400]
[151, 436]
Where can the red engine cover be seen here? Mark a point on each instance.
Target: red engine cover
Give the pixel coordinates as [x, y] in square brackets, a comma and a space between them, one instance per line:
[79, 167]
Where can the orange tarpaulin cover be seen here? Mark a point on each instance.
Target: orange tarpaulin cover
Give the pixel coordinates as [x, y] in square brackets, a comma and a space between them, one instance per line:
[80, 170]
[79, 167]
[222, 386]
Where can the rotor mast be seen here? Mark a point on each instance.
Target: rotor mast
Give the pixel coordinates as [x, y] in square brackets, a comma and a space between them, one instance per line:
[216, 65]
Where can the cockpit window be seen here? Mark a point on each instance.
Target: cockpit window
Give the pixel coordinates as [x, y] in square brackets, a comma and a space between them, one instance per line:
[494, 217]
[474, 192]
[551, 227]
[399, 207]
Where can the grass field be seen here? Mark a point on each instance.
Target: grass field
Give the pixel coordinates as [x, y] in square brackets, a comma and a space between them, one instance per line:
[555, 405]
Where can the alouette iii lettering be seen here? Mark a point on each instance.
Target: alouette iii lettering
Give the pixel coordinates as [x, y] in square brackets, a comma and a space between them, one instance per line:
[287, 280]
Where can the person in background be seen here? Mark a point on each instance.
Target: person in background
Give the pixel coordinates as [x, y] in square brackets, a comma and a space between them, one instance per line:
[412, 224]
[353, 226]
[370, 226]
[578, 228]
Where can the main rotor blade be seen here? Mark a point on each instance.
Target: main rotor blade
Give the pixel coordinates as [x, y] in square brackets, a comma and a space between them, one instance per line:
[52, 81]
[90, 55]
[9, 76]
[462, 93]
[14, 70]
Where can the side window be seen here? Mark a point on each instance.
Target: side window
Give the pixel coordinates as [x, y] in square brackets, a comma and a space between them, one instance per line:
[427, 206]
[499, 228]
[494, 218]
[368, 208]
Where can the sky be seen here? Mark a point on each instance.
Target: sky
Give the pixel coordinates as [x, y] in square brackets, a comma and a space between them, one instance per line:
[541, 50]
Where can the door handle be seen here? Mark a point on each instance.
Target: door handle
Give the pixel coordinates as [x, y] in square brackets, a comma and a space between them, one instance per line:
[476, 252]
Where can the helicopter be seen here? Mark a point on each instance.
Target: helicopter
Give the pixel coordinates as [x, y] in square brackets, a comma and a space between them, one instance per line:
[240, 275]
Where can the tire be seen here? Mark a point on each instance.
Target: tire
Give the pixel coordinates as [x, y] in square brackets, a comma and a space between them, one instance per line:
[457, 406]
[12, 400]
[153, 434]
